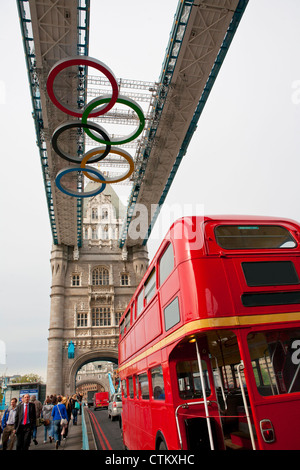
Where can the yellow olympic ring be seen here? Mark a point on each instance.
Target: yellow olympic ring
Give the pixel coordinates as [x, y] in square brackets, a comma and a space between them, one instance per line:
[117, 151]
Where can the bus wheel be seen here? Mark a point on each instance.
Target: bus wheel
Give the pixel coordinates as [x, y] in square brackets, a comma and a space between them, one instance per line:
[160, 442]
[162, 446]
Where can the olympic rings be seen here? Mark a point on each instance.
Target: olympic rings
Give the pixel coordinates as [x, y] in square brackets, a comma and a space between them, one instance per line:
[123, 100]
[103, 105]
[81, 60]
[65, 171]
[71, 124]
[122, 177]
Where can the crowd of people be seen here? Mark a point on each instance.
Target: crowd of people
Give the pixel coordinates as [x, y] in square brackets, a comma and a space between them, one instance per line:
[20, 421]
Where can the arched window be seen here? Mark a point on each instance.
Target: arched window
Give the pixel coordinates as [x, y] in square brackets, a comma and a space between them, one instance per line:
[94, 234]
[94, 213]
[100, 277]
[105, 232]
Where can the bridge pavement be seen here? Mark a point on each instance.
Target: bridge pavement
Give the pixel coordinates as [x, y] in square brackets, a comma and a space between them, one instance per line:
[72, 442]
[75, 440]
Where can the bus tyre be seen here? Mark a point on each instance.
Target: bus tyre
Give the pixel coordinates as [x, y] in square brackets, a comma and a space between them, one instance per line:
[162, 446]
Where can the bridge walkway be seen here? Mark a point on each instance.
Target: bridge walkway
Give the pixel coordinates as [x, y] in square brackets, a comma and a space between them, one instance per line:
[79, 437]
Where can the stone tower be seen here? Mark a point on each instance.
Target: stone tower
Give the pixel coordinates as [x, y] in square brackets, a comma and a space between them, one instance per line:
[90, 289]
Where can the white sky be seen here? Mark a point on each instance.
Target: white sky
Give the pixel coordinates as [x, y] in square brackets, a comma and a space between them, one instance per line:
[243, 158]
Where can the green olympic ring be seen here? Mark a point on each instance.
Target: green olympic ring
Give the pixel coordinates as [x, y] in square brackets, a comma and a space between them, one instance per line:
[122, 100]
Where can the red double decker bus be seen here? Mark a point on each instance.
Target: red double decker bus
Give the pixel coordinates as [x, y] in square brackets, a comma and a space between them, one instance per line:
[209, 347]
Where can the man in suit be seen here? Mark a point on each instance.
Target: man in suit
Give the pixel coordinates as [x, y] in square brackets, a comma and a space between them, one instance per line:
[24, 422]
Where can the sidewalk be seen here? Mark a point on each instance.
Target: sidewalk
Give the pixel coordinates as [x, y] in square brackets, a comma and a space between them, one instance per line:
[72, 442]
[79, 437]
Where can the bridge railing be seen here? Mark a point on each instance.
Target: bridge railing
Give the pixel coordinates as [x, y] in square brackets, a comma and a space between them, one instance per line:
[85, 439]
[88, 441]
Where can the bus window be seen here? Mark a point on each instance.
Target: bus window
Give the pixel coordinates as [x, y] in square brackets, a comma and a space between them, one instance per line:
[188, 378]
[150, 286]
[158, 383]
[172, 314]
[166, 264]
[124, 388]
[130, 387]
[137, 389]
[127, 321]
[140, 303]
[275, 356]
[144, 386]
[132, 313]
[122, 328]
[225, 356]
[251, 237]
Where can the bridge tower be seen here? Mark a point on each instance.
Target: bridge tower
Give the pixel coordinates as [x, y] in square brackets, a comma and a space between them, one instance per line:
[91, 287]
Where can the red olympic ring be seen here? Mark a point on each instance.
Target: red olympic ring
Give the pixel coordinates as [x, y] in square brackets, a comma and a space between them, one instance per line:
[87, 61]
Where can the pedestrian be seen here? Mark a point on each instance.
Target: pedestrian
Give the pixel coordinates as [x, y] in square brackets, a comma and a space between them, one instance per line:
[79, 399]
[53, 399]
[24, 422]
[8, 426]
[59, 413]
[75, 406]
[38, 410]
[46, 414]
[66, 402]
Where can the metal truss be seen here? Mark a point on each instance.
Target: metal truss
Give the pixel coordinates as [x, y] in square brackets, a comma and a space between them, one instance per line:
[51, 30]
[122, 83]
[98, 86]
[201, 35]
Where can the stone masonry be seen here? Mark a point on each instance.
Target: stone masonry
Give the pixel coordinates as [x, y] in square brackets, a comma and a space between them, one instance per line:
[91, 287]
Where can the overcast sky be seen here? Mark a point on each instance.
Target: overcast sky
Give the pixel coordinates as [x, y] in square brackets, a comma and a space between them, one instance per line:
[243, 158]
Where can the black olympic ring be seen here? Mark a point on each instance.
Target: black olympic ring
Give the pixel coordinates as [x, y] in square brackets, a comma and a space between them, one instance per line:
[88, 125]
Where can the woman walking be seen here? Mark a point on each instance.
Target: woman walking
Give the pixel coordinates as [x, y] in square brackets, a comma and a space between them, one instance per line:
[66, 402]
[59, 412]
[75, 407]
[46, 414]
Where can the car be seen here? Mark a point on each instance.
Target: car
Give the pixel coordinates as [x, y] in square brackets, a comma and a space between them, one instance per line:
[101, 400]
[115, 406]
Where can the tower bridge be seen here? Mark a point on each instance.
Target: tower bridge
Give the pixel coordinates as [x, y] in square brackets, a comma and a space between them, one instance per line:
[96, 265]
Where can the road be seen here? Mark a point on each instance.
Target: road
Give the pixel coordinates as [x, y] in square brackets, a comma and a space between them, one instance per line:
[107, 433]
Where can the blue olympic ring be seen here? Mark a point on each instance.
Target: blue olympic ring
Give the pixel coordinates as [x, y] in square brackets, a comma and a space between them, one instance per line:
[89, 169]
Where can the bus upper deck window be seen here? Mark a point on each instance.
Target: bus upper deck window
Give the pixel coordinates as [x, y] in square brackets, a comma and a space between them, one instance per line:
[166, 264]
[127, 321]
[150, 286]
[140, 303]
[251, 237]
[122, 328]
